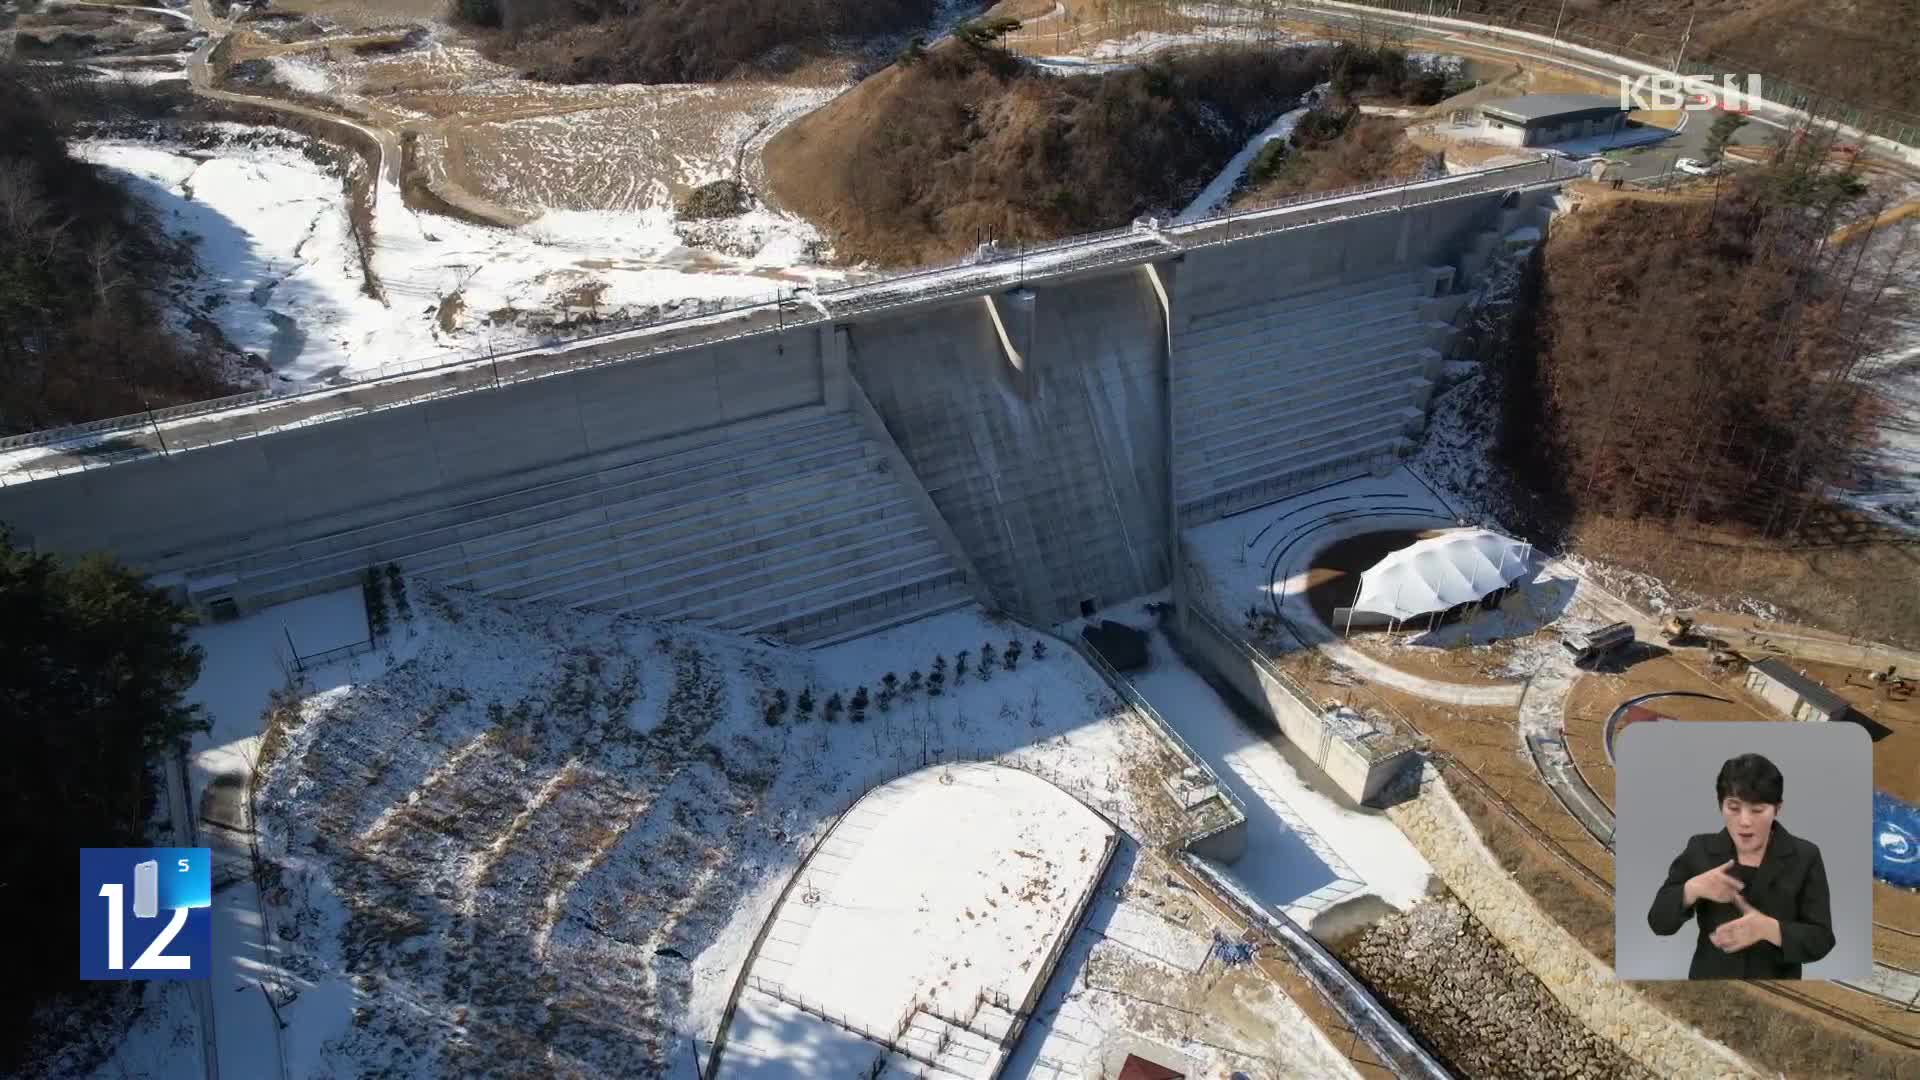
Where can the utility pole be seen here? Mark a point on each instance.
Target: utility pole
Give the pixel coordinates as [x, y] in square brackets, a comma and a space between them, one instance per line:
[1556, 21]
[156, 428]
[1685, 37]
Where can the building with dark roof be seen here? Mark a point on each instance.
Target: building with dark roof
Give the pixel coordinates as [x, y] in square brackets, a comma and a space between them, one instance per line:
[1545, 119]
[1799, 697]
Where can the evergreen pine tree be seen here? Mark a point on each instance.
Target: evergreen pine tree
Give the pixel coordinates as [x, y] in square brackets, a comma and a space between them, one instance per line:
[1011, 658]
[1039, 649]
[987, 659]
[805, 704]
[97, 667]
[373, 590]
[1719, 134]
[397, 585]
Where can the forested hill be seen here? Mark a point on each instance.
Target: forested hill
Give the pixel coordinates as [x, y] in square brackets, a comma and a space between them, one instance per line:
[80, 337]
[660, 41]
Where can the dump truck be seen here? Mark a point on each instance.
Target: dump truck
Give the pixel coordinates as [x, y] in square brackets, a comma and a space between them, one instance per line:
[1587, 646]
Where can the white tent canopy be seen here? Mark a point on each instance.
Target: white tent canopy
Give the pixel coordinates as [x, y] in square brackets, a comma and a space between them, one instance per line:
[1441, 572]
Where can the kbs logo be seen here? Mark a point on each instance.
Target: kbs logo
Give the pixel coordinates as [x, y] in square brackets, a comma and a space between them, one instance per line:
[1692, 93]
[148, 903]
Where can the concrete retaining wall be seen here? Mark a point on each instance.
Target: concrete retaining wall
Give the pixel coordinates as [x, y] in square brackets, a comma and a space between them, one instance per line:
[1224, 842]
[1388, 1038]
[311, 481]
[1038, 426]
[1215, 650]
[1226, 276]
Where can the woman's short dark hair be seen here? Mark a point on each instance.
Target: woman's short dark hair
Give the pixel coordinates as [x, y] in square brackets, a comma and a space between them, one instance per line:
[1750, 778]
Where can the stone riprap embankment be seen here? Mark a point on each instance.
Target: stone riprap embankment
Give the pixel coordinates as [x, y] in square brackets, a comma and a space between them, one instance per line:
[1462, 992]
[1583, 986]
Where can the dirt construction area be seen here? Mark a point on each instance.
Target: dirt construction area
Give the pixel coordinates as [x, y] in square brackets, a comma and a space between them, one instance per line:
[1486, 756]
[523, 146]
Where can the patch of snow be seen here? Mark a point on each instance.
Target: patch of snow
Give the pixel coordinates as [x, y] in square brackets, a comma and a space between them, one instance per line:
[1887, 485]
[164, 1041]
[282, 276]
[939, 891]
[1224, 184]
[772, 1040]
[249, 658]
[272, 238]
[301, 75]
[141, 76]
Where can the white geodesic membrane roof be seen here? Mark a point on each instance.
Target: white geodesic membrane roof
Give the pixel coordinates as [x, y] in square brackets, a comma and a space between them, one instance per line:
[1441, 572]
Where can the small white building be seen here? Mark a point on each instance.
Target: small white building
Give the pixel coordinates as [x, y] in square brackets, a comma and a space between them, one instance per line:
[1545, 119]
[1795, 695]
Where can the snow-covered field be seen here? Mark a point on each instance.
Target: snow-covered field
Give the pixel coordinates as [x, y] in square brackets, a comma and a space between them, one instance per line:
[938, 898]
[551, 840]
[504, 837]
[641, 151]
[281, 276]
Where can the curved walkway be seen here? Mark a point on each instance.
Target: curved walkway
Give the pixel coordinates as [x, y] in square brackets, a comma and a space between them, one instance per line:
[1612, 727]
[1499, 694]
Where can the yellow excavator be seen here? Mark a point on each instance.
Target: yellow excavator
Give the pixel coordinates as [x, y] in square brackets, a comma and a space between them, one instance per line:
[1678, 630]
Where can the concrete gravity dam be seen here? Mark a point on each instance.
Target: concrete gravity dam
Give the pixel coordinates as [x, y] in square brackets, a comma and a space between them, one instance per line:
[1027, 433]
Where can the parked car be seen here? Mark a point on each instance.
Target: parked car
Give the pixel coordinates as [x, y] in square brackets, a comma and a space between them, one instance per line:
[1694, 166]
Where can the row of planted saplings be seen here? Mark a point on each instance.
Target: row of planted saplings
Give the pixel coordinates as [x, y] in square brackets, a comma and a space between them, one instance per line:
[933, 683]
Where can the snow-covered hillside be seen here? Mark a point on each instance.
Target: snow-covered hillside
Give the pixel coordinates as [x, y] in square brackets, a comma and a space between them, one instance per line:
[280, 275]
[552, 840]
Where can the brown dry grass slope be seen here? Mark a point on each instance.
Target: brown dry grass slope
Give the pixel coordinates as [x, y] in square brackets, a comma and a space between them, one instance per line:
[660, 41]
[1864, 52]
[924, 160]
[1658, 398]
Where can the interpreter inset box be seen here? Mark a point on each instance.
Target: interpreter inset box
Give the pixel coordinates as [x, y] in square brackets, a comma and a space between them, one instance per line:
[1743, 851]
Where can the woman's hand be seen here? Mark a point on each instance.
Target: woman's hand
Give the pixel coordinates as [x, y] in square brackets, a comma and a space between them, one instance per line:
[1717, 884]
[1752, 926]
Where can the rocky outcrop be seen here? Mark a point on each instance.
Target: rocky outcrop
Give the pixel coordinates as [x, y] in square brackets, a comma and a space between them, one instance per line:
[1467, 996]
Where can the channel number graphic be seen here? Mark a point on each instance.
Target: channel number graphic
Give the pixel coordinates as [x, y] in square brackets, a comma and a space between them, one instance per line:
[145, 913]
